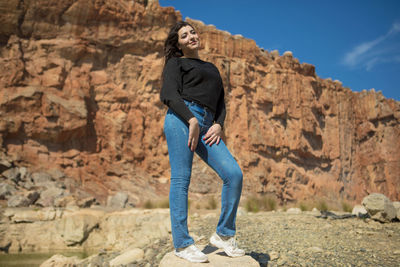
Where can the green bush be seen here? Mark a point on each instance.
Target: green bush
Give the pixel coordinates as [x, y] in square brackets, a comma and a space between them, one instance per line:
[303, 206]
[265, 203]
[148, 205]
[163, 204]
[322, 206]
[252, 205]
[346, 207]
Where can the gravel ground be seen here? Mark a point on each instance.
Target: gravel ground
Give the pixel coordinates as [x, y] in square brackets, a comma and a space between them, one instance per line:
[283, 239]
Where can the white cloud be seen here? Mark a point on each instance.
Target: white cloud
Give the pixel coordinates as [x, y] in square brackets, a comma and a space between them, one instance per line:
[369, 54]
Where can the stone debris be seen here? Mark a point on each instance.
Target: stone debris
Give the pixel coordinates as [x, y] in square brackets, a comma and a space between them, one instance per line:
[379, 207]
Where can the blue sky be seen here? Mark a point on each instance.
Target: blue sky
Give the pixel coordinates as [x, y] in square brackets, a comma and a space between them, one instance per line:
[354, 41]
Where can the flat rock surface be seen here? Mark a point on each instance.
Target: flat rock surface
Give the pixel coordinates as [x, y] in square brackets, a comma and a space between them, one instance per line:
[216, 258]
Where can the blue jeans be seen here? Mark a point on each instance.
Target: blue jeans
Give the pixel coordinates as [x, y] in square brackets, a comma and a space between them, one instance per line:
[216, 156]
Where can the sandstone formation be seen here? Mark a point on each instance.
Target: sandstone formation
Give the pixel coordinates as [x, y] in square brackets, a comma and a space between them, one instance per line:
[68, 230]
[79, 92]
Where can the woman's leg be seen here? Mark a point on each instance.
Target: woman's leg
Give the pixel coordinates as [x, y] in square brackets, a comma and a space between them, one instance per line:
[180, 158]
[221, 160]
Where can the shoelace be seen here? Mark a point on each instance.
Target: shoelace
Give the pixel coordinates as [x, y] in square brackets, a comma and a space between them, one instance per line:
[233, 243]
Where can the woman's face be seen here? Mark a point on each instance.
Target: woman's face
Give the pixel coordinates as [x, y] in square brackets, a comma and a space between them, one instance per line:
[188, 40]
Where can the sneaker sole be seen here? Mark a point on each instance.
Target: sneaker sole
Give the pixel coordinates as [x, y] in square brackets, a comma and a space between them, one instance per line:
[195, 261]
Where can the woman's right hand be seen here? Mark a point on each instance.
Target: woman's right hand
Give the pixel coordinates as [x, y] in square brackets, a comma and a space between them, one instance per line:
[194, 132]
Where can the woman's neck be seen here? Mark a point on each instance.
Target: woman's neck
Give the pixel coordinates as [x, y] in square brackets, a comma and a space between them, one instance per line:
[195, 54]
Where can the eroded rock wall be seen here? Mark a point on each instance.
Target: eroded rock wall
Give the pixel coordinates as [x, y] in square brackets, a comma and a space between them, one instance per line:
[79, 92]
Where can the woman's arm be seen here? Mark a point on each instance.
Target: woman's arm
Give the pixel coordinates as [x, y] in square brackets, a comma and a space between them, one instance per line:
[171, 88]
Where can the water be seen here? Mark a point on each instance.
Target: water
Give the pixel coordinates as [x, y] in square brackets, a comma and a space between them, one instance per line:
[33, 259]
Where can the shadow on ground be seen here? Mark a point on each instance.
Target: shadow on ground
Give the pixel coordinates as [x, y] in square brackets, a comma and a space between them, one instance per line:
[261, 258]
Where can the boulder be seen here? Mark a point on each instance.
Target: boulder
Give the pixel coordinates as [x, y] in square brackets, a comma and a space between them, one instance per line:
[12, 175]
[216, 258]
[118, 200]
[359, 211]
[379, 207]
[6, 190]
[127, 257]
[42, 179]
[75, 227]
[18, 201]
[49, 196]
[4, 164]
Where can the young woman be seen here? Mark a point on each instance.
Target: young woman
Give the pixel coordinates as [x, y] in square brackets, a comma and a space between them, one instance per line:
[194, 93]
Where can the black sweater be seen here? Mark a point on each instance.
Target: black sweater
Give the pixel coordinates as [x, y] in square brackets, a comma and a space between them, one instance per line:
[194, 80]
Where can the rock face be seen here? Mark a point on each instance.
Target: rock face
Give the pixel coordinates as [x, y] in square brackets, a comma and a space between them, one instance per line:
[56, 229]
[79, 93]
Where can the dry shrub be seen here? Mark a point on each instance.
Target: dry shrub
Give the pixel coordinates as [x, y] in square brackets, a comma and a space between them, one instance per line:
[264, 203]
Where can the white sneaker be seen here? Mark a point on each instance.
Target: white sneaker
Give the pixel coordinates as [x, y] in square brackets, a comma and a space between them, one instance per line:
[191, 253]
[228, 244]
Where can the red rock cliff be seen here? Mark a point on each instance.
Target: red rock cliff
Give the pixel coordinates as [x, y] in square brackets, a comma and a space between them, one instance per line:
[79, 92]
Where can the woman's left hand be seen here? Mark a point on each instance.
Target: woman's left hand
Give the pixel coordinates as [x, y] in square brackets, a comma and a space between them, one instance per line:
[213, 135]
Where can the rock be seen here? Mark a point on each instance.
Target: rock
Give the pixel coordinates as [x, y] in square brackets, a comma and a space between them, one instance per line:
[60, 260]
[315, 249]
[49, 196]
[274, 255]
[216, 258]
[18, 201]
[396, 205]
[32, 196]
[127, 257]
[75, 228]
[86, 202]
[315, 212]
[23, 173]
[6, 190]
[359, 210]
[379, 207]
[5, 245]
[42, 179]
[29, 215]
[294, 211]
[56, 174]
[65, 201]
[4, 163]
[12, 175]
[118, 200]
